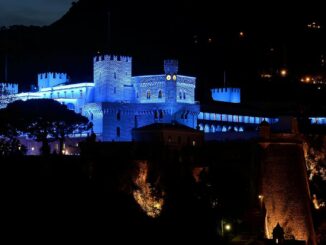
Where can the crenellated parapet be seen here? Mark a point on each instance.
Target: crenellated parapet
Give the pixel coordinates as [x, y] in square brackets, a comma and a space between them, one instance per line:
[229, 95]
[120, 58]
[8, 88]
[171, 67]
[112, 78]
[51, 79]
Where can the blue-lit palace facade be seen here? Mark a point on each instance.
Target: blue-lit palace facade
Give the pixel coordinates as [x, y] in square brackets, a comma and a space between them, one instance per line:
[117, 102]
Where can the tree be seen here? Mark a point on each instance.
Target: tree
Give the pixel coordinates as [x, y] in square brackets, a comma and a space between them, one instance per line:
[9, 144]
[69, 122]
[43, 119]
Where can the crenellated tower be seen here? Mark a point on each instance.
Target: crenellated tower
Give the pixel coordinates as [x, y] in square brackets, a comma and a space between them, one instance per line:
[229, 95]
[171, 71]
[51, 79]
[112, 78]
[8, 88]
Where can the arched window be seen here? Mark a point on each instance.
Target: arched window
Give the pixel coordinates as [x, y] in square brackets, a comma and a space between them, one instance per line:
[161, 114]
[115, 75]
[119, 115]
[180, 95]
[148, 94]
[160, 94]
[155, 114]
[114, 90]
[184, 95]
[118, 131]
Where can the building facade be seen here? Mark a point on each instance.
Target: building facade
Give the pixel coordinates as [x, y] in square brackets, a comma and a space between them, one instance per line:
[116, 102]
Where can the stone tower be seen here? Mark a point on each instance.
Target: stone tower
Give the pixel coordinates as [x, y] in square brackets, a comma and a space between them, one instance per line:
[171, 72]
[285, 189]
[112, 74]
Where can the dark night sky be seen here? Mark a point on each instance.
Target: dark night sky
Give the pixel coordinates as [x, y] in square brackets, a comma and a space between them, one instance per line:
[32, 12]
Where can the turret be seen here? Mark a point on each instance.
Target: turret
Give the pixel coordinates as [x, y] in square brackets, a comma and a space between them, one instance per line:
[112, 74]
[171, 67]
[229, 95]
[50, 79]
[171, 71]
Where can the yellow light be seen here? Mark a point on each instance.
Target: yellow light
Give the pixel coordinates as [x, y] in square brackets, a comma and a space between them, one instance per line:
[168, 77]
[241, 34]
[308, 79]
[228, 227]
[260, 196]
[284, 72]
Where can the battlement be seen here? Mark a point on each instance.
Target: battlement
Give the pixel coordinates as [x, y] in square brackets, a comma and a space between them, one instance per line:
[8, 88]
[52, 75]
[229, 95]
[120, 58]
[51, 79]
[226, 90]
[171, 66]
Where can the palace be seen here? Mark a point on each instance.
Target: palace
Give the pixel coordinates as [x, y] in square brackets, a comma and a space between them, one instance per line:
[117, 102]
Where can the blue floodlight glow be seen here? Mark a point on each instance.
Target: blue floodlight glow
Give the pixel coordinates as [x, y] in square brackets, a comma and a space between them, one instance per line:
[117, 102]
[229, 95]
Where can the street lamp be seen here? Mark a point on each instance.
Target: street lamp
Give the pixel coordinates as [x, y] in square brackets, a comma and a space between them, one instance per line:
[261, 198]
[225, 226]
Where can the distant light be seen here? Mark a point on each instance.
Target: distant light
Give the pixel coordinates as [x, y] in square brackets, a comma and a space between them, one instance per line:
[314, 25]
[319, 88]
[241, 34]
[210, 40]
[265, 75]
[306, 79]
[228, 227]
[33, 148]
[284, 72]
[260, 196]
